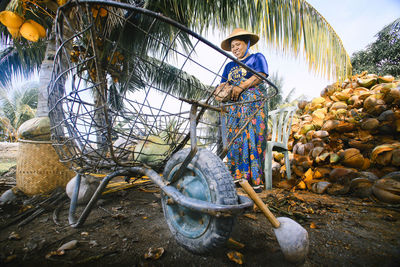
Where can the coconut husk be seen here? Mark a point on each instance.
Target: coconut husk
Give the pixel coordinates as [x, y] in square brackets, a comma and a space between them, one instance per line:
[352, 157]
[385, 79]
[11, 19]
[369, 124]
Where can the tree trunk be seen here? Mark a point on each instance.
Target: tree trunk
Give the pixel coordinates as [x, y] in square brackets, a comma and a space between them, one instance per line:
[45, 77]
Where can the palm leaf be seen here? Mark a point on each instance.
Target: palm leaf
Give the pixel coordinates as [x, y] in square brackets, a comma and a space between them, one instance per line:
[291, 25]
[20, 60]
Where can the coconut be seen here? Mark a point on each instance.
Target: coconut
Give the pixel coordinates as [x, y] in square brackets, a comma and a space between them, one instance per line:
[11, 19]
[338, 105]
[338, 174]
[41, 30]
[387, 115]
[382, 149]
[368, 83]
[387, 189]
[35, 129]
[14, 32]
[385, 79]
[320, 187]
[396, 157]
[321, 134]
[344, 127]
[369, 124]
[341, 96]
[151, 150]
[361, 187]
[330, 125]
[29, 31]
[352, 157]
[392, 96]
[302, 104]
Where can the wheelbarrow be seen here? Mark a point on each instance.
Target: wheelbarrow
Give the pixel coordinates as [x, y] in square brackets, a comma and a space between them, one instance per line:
[131, 95]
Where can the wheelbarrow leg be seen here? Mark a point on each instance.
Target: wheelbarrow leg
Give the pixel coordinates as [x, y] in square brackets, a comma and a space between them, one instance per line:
[100, 189]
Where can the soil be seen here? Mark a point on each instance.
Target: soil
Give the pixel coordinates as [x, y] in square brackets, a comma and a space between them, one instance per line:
[124, 225]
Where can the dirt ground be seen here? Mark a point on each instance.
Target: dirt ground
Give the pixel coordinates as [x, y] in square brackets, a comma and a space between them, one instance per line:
[343, 231]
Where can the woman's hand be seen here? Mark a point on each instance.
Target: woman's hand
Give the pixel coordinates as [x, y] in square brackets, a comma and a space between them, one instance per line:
[236, 92]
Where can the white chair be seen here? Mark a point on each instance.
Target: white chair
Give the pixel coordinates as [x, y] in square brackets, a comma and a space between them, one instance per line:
[281, 123]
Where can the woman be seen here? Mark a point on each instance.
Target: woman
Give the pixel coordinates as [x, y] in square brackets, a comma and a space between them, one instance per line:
[246, 155]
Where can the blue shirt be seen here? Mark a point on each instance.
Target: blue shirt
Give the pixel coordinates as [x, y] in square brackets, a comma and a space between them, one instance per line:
[234, 74]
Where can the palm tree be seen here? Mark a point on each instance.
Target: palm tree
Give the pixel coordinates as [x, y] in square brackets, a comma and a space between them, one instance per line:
[279, 99]
[17, 105]
[290, 25]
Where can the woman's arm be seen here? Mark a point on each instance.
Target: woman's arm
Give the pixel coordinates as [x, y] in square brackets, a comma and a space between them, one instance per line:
[250, 82]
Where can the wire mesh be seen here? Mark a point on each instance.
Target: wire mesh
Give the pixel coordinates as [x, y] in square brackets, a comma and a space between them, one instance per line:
[123, 83]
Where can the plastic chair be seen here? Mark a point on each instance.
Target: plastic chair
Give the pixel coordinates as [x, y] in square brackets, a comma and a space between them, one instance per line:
[281, 120]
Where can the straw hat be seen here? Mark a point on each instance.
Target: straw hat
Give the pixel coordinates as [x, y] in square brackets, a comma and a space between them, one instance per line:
[226, 44]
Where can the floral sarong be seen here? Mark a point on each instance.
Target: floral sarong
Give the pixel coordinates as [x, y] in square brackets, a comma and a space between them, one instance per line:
[246, 155]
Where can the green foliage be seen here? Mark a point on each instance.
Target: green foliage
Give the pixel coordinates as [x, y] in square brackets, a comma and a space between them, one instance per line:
[279, 99]
[381, 57]
[287, 24]
[17, 105]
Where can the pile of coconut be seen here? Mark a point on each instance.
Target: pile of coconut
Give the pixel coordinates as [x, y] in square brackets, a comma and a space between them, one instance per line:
[347, 141]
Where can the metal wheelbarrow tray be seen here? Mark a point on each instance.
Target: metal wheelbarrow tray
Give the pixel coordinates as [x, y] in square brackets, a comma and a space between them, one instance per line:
[131, 95]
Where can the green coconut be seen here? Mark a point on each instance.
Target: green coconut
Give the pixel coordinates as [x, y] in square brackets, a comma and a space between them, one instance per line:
[37, 129]
[367, 83]
[151, 151]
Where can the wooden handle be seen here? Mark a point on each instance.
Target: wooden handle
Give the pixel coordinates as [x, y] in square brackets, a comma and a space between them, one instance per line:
[257, 200]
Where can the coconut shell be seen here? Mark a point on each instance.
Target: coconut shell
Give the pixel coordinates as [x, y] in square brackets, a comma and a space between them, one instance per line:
[330, 125]
[361, 187]
[385, 79]
[352, 157]
[396, 157]
[321, 134]
[302, 104]
[11, 19]
[317, 151]
[367, 83]
[384, 158]
[382, 149]
[338, 105]
[307, 127]
[37, 129]
[341, 96]
[339, 174]
[387, 189]
[393, 96]
[320, 187]
[344, 127]
[334, 158]
[360, 145]
[369, 124]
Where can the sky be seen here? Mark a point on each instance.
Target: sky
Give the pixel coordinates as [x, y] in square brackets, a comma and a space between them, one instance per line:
[355, 21]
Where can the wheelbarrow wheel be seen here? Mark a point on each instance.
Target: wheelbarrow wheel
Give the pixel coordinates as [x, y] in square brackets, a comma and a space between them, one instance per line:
[208, 179]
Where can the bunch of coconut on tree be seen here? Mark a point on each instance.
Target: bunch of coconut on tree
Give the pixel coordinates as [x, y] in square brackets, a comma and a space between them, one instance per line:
[347, 140]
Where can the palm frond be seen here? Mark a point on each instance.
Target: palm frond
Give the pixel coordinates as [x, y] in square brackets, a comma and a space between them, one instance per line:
[291, 25]
[20, 60]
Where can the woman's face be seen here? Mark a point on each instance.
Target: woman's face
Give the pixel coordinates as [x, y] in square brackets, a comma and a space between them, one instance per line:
[238, 48]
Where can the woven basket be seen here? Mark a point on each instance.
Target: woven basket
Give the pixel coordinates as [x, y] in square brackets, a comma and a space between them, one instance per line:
[39, 169]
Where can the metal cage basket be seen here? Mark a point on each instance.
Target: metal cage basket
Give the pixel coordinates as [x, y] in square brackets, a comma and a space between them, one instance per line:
[124, 83]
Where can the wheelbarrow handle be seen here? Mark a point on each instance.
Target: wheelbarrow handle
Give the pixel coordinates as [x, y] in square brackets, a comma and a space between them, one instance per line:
[258, 201]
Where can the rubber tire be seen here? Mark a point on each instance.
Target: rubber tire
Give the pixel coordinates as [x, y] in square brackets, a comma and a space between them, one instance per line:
[222, 192]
